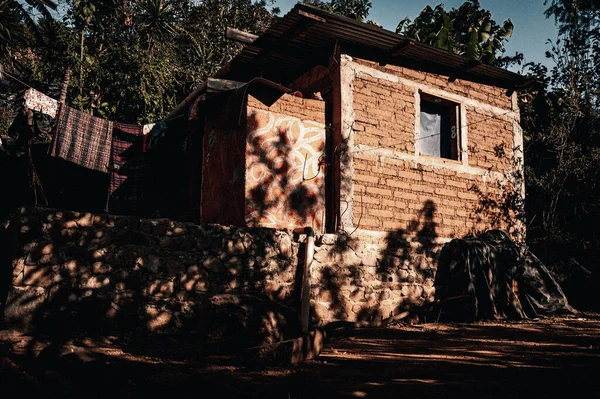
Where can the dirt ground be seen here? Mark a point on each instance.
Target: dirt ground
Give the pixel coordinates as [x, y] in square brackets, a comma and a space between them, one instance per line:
[542, 358]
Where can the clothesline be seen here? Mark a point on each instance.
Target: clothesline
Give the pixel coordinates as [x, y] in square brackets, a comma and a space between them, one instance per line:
[49, 100]
[100, 144]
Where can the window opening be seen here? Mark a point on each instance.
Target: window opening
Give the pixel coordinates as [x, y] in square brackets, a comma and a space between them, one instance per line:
[440, 129]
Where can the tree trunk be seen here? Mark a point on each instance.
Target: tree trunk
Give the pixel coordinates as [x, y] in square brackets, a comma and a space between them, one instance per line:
[81, 62]
[65, 86]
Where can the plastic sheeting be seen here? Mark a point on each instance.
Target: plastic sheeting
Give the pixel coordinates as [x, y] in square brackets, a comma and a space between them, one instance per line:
[491, 277]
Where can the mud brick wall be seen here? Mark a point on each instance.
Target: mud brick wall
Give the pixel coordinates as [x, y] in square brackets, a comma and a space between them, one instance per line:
[297, 107]
[95, 272]
[394, 188]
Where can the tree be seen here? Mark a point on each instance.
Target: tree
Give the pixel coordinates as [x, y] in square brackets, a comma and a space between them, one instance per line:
[468, 30]
[133, 61]
[17, 26]
[561, 123]
[355, 9]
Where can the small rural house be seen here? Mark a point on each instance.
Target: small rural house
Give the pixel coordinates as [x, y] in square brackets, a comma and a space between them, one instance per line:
[370, 131]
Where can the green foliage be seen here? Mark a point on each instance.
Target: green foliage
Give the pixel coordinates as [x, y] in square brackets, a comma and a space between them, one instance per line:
[17, 25]
[468, 31]
[133, 61]
[355, 9]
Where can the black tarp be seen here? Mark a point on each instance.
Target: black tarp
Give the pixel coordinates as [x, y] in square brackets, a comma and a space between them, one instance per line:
[491, 277]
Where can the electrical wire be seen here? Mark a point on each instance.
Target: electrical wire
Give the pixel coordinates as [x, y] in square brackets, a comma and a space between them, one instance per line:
[392, 146]
[31, 87]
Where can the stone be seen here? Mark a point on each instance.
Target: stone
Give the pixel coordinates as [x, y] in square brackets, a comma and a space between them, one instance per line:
[166, 242]
[327, 239]
[403, 275]
[31, 260]
[370, 258]
[212, 263]
[18, 266]
[175, 266]
[99, 253]
[234, 265]
[323, 255]
[45, 248]
[202, 243]
[216, 247]
[95, 282]
[101, 268]
[200, 286]
[235, 247]
[357, 246]
[429, 293]
[100, 220]
[160, 227]
[150, 262]
[325, 296]
[284, 243]
[349, 258]
[385, 294]
[161, 288]
[74, 268]
[40, 276]
[48, 260]
[411, 276]
[158, 320]
[176, 231]
[322, 312]
[86, 220]
[23, 307]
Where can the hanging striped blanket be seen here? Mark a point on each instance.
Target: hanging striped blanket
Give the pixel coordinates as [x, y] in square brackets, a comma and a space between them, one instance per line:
[83, 139]
[127, 164]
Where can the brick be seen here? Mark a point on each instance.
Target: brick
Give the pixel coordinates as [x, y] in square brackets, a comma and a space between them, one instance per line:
[398, 184]
[456, 184]
[446, 192]
[410, 175]
[392, 225]
[384, 171]
[366, 221]
[422, 188]
[381, 213]
[379, 191]
[467, 196]
[388, 203]
[405, 195]
[366, 178]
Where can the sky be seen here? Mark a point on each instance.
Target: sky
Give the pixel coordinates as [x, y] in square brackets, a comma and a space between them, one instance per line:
[530, 36]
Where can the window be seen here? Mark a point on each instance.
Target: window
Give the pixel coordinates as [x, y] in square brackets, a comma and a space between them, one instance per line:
[440, 128]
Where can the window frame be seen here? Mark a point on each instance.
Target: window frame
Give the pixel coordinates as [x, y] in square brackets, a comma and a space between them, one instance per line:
[454, 115]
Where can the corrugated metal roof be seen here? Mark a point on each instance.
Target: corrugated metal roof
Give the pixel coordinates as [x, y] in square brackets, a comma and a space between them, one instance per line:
[295, 43]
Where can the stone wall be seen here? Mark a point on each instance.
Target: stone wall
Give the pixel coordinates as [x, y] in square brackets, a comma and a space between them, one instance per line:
[93, 273]
[388, 183]
[371, 277]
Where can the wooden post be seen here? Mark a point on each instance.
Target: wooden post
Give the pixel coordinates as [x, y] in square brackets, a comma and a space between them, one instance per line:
[240, 36]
